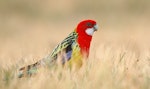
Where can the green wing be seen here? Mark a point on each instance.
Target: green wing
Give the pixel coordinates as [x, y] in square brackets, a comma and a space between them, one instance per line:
[64, 44]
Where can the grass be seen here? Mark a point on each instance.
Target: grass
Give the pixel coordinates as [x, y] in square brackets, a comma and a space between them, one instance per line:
[119, 59]
[109, 67]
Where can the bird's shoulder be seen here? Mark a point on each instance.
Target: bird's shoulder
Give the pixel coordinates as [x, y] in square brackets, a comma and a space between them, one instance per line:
[66, 44]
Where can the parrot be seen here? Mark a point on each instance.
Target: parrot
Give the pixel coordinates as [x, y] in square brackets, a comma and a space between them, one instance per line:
[71, 52]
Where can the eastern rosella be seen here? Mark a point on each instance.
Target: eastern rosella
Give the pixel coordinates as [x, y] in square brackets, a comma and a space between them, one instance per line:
[71, 51]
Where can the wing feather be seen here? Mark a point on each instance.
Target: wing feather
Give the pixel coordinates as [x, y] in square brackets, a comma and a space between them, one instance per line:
[64, 45]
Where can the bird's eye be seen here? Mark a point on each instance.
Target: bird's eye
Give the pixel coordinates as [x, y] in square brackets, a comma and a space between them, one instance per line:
[89, 24]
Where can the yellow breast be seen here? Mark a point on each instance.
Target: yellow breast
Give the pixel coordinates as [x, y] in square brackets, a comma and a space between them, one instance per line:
[76, 59]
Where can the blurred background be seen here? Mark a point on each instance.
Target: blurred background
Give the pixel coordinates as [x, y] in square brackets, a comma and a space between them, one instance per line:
[29, 29]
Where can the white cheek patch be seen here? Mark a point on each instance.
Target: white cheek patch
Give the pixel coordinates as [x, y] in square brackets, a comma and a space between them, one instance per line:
[89, 31]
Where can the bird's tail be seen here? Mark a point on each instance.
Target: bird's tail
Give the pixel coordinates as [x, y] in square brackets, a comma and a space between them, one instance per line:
[29, 70]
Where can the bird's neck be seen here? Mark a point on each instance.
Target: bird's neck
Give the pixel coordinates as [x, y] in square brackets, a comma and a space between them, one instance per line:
[84, 43]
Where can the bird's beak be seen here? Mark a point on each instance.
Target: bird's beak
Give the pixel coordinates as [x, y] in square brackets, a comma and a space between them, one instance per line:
[95, 27]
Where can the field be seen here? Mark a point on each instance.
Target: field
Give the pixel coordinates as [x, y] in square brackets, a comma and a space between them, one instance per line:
[119, 54]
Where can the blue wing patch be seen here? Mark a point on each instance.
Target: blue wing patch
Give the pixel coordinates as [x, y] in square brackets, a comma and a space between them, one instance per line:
[68, 55]
[69, 52]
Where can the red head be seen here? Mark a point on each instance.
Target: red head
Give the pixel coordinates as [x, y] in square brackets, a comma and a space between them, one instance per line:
[85, 30]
